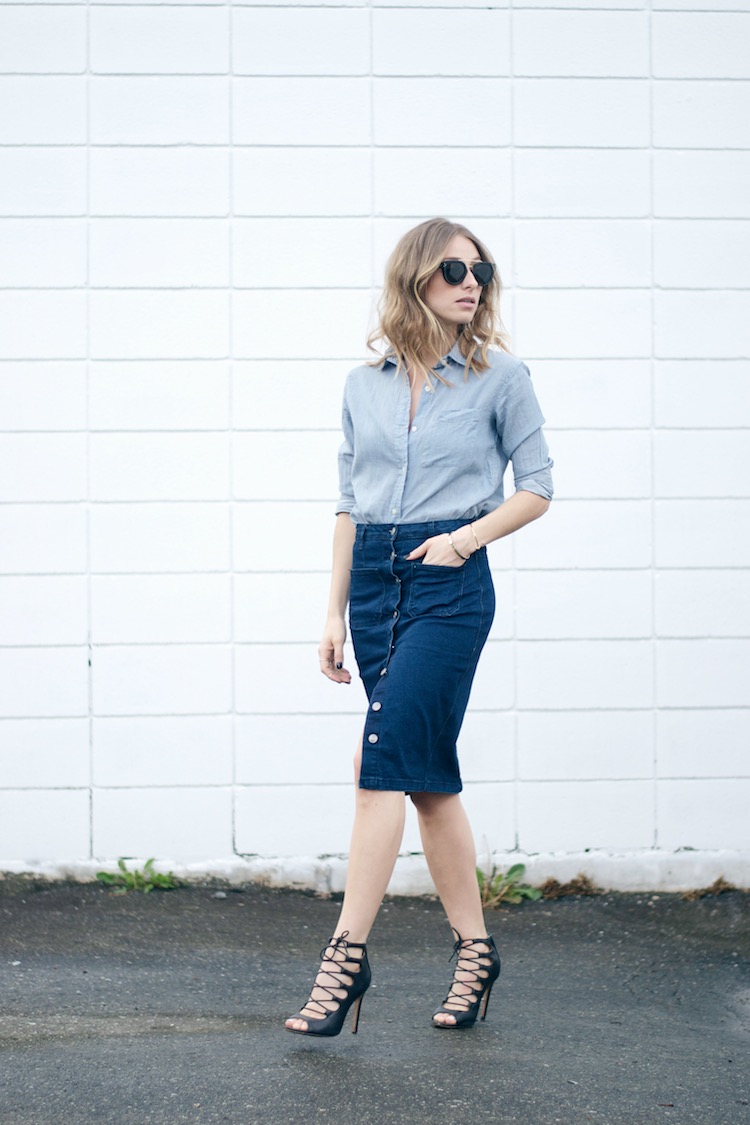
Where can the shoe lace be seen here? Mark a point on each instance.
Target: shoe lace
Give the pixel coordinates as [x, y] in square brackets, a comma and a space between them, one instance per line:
[477, 965]
[336, 955]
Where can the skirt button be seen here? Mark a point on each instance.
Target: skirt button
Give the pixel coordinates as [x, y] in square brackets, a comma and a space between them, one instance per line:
[372, 738]
[376, 706]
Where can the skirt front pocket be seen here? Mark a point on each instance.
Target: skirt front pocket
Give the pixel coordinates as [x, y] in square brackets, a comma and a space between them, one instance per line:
[366, 596]
[435, 590]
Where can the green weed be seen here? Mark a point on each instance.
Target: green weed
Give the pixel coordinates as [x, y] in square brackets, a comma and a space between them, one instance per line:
[145, 881]
[497, 887]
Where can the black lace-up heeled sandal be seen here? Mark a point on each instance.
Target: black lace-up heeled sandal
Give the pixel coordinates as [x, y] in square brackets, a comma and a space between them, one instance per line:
[344, 977]
[479, 969]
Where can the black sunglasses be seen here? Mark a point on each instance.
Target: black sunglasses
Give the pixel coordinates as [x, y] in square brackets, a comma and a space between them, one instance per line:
[454, 272]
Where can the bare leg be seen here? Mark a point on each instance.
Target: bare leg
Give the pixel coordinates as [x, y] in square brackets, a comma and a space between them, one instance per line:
[451, 857]
[376, 839]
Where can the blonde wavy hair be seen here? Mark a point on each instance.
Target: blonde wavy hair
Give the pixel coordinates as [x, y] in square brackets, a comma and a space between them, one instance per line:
[408, 328]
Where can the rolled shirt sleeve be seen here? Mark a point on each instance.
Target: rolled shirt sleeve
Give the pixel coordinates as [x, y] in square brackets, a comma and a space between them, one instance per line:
[532, 466]
[519, 421]
[346, 458]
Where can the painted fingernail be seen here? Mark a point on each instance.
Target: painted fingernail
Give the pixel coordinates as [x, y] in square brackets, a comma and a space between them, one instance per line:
[339, 666]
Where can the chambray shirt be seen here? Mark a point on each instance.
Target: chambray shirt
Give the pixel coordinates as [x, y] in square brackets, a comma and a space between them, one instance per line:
[450, 463]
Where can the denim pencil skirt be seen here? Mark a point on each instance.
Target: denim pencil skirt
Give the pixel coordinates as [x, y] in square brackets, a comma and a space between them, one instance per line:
[418, 631]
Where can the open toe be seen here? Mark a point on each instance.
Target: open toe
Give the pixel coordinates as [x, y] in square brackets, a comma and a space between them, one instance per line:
[477, 969]
[341, 983]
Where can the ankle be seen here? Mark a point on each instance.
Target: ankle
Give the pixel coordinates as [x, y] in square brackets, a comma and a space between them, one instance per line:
[350, 938]
[475, 932]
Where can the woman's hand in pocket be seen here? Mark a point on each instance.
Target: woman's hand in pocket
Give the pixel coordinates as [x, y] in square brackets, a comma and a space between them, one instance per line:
[435, 551]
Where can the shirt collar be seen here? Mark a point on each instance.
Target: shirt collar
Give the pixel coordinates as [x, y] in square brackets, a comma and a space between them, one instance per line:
[454, 354]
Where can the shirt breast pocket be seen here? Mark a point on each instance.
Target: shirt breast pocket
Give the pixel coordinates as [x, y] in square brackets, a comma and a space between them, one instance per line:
[452, 438]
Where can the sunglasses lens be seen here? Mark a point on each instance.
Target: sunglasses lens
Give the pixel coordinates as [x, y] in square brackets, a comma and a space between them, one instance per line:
[483, 272]
[453, 272]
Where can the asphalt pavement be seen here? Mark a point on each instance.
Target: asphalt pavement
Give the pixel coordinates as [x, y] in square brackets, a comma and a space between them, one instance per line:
[167, 1008]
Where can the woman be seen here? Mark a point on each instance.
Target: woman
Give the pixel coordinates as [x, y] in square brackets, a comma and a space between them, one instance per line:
[429, 430]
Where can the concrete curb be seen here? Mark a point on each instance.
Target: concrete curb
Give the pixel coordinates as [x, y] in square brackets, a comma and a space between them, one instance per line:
[627, 871]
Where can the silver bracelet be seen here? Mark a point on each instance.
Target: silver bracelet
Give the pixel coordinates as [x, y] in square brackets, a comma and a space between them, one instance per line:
[473, 532]
[455, 548]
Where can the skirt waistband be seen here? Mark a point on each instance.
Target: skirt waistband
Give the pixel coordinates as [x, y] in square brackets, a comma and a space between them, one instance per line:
[391, 531]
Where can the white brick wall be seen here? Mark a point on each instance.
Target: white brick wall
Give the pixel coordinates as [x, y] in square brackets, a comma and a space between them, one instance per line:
[196, 202]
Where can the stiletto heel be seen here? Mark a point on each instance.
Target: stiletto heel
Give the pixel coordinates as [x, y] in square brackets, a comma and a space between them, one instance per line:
[350, 975]
[467, 995]
[357, 1007]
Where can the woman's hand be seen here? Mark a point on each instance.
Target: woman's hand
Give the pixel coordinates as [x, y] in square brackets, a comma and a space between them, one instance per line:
[437, 551]
[331, 651]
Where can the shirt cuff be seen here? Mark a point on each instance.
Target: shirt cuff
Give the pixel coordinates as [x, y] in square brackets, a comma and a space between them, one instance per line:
[540, 484]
